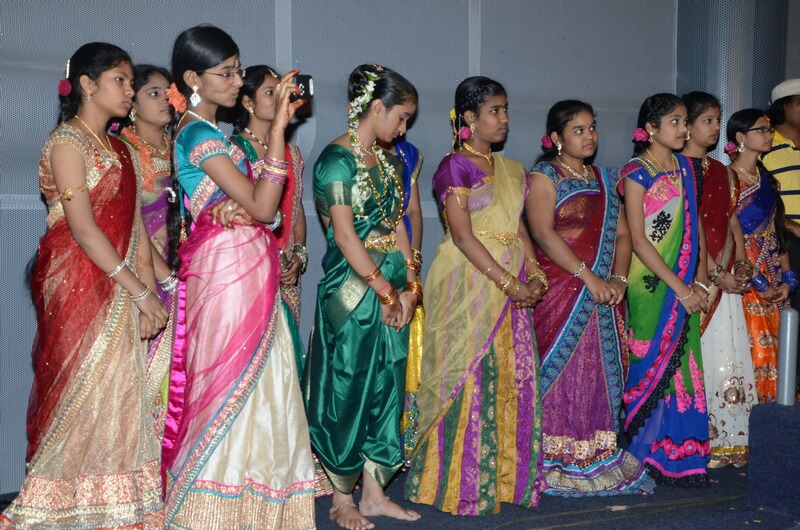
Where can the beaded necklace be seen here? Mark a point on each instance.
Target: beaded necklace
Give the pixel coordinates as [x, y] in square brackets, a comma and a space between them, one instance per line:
[381, 160]
[584, 177]
[256, 138]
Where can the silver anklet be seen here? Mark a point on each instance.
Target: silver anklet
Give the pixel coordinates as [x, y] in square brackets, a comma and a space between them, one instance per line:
[338, 507]
[371, 505]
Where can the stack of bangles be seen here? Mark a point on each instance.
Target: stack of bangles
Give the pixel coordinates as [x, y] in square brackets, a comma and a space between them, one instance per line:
[508, 284]
[416, 288]
[139, 297]
[540, 275]
[387, 295]
[717, 275]
[417, 255]
[760, 282]
[271, 169]
[169, 283]
[413, 265]
[301, 252]
[790, 278]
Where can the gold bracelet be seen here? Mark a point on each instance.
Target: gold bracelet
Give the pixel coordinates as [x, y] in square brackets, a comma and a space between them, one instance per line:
[505, 281]
[516, 285]
[621, 278]
[374, 275]
[541, 276]
[417, 255]
[492, 266]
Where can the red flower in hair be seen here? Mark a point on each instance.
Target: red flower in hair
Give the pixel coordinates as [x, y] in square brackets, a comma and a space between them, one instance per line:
[64, 87]
[547, 143]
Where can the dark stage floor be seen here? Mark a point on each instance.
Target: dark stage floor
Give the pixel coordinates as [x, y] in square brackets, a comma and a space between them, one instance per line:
[723, 505]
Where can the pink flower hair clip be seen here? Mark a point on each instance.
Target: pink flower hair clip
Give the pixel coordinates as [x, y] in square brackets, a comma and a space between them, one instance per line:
[464, 133]
[640, 135]
[547, 143]
[65, 86]
[730, 148]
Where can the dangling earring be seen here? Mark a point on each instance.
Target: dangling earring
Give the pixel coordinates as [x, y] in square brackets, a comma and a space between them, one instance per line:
[688, 135]
[88, 97]
[374, 118]
[740, 149]
[194, 99]
[132, 116]
[250, 110]
[650, 138]
[472, 128]
[558, 146]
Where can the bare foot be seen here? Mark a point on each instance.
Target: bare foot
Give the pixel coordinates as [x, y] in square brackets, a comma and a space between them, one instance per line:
[347, 516]
[387, 508]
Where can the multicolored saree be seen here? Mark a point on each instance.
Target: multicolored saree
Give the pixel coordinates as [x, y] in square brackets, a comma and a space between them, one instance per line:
[92, 454]
[665, 402]
[756, 210]
[581, 346]
[727, 367]
[479, 402]
[236, 448]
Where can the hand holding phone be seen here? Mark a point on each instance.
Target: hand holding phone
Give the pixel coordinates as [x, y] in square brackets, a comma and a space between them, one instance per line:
[305, 83]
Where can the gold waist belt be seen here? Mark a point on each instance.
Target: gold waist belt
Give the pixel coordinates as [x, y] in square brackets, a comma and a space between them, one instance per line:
[504, 237]
[385, 244]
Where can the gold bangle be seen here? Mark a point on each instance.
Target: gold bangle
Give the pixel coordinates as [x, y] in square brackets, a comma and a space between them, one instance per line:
[532, 260]
[413, 265]
[492, 266]
[541, 276]
[374, 275]
[416, 288]
[389, 298]
[505, 281]
[417, 255]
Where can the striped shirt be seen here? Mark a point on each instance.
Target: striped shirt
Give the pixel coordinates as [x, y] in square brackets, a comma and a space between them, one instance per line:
[783, 161]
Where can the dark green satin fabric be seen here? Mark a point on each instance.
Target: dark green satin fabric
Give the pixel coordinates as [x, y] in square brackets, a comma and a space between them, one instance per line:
[354, 382]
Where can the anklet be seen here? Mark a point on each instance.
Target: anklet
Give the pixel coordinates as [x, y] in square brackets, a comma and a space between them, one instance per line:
[372, 505]
[338, 507]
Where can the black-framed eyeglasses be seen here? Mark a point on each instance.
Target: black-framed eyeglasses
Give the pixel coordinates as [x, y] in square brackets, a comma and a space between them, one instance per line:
[762, 130]
[229, 74]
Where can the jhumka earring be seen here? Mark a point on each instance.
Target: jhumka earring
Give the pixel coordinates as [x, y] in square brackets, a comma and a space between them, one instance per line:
[250, 110]
[558, 146]
[194, 99]
[472, 127]
[132, 116]
[740, 149]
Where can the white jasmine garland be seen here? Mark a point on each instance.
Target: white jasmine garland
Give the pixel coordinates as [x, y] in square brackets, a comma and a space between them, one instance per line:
[355, 108]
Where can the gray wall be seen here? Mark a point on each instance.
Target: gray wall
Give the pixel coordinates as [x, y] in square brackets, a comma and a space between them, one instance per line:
[612, 53]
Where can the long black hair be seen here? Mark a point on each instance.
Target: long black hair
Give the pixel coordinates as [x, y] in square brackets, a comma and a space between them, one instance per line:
[740, 122]
[391, 87]
[196, 49]
[254, 77]
[471, 93]
[652, 110]
[558, 117]
[699, 102]
[91, 60]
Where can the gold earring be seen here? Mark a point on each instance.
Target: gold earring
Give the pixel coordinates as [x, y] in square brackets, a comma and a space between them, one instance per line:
[250, 110]
[374, 118]
[132, 116]
[472, 127]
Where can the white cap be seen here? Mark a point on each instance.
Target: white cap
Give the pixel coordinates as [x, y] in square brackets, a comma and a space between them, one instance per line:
[790, 87]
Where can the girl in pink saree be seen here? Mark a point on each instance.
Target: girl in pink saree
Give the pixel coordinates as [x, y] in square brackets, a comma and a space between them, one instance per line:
[236, 447]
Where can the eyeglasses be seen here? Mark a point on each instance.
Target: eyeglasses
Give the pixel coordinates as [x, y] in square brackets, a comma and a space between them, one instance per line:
[229, 74]
[762, 130]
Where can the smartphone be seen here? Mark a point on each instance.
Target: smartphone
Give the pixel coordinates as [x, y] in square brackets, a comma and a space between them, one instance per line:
[305, 83]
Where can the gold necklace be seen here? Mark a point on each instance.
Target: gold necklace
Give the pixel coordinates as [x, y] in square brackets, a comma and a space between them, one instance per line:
[154, 149]
[751, 176]
[378, 197]
[671, 175]
[584, 177]
[485, 156]
[705, 163]
[109, 149]
[256, 138]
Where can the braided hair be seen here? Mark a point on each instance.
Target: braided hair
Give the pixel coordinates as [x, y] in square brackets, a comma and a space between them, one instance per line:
[471, 93]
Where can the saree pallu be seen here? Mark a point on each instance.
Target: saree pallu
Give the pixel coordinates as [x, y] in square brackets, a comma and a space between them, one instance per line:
[581, 345]
[756, 210]
[665, 402]
[92, 456]
[236, 449]
[353, 383]
[411, 158]
[154, 177]
[479, 402]
[727, 368]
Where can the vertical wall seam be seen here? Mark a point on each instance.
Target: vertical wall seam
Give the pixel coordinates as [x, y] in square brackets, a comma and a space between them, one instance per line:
[474, 49]
[283, 35]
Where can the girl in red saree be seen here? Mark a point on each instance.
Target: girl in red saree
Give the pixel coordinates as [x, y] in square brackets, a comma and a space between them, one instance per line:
[92, 453]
